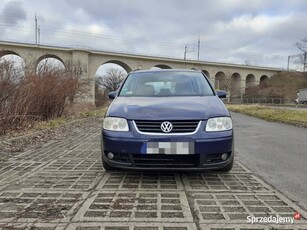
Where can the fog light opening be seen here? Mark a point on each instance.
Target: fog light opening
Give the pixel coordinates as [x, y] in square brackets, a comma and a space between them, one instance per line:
[224, 156]
[110, 155]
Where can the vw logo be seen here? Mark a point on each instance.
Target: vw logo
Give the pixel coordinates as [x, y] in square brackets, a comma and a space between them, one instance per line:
[166, 126]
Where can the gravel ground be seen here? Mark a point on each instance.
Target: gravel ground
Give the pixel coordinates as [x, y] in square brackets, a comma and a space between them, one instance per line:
[12, 146]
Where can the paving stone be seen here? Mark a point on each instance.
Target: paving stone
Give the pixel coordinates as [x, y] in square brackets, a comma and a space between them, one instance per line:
[41, 155]
[56, 149]
[239, 168]
[83, 154]
[224, 182]
[62, 185]
[32, 226]
[71, 180]
[118, 206]
[252, 227]
[92, 144]
[74, 164]
[16, 206]
[131, 226]
[140, 181]
[235, 207]
[15, 170]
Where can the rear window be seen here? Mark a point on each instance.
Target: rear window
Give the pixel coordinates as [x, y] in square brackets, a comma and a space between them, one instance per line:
[161, 84]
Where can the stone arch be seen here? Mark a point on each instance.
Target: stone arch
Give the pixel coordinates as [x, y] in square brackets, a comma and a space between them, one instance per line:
[220, 81]
[206, 73]
[107, 70]
[250, 81]
[8, 52]
[40, 67]
[263, 79]
[4, 53]
[120, 63]
[49, 56]
[163, 66]
[235, 84]
[16, 62]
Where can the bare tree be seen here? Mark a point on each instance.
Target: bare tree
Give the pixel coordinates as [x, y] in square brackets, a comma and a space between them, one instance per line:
[302, 45]
[111, 79]
[223, 83]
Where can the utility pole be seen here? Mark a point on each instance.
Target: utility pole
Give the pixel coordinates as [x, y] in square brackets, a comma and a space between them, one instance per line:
[185, 54]
[305, 60]
[35, 29]
[39, 34]
[198, 48]
[288, 62]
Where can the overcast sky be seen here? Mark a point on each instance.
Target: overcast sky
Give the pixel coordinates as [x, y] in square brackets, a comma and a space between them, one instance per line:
[261, 32]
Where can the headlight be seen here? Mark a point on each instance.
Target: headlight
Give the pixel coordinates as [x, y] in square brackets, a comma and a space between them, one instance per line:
[219, 124]
[115, 124]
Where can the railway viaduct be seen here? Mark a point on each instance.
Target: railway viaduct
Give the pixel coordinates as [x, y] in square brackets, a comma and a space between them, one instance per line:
[231, 77]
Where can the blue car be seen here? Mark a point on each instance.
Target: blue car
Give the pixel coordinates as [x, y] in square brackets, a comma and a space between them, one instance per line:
[167, 120]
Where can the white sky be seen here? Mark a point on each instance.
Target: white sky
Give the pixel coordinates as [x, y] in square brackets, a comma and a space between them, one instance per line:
[262, 32]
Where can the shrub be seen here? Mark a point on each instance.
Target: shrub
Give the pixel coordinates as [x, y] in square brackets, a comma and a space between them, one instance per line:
[25, 98]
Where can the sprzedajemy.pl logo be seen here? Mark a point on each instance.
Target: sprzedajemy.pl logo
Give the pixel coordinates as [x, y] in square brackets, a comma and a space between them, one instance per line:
[273, 219]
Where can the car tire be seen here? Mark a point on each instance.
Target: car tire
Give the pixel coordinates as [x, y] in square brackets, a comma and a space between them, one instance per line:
[228, 167]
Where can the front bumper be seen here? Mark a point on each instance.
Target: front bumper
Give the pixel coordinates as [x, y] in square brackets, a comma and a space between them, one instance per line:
[126, 148]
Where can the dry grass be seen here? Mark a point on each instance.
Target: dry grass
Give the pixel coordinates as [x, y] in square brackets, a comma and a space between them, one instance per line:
[53, 123]
[282, 85]
[287, 116]
[56, 122]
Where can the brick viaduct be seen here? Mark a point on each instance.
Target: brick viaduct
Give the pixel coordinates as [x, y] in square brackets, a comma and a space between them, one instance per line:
[231, 77]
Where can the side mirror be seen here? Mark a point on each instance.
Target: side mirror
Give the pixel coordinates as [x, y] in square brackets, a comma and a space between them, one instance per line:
[221, 94]
[112, 95]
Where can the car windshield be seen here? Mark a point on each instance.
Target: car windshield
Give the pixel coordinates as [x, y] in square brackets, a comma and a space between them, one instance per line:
[166, 84]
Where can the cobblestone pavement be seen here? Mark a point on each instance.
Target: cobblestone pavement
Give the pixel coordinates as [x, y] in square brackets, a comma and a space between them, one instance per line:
[62, 185]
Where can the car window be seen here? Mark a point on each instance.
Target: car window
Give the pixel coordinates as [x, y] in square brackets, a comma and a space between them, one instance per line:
[157, 84]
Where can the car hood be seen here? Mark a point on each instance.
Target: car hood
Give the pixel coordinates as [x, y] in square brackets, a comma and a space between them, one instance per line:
[167, 108]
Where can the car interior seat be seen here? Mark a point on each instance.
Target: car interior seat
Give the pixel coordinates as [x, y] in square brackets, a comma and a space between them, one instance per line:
[146, 90]
[165, 92]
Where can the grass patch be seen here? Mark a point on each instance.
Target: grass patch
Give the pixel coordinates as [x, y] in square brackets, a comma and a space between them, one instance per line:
[53, 123]
[287, 116]
[94, 113]
[57, 122]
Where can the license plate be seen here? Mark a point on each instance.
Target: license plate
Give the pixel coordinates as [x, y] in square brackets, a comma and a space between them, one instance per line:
[178, 148]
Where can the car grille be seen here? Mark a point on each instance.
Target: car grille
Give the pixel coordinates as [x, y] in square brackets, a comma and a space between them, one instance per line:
[183, 126]
[157, 160]
[165, 161]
